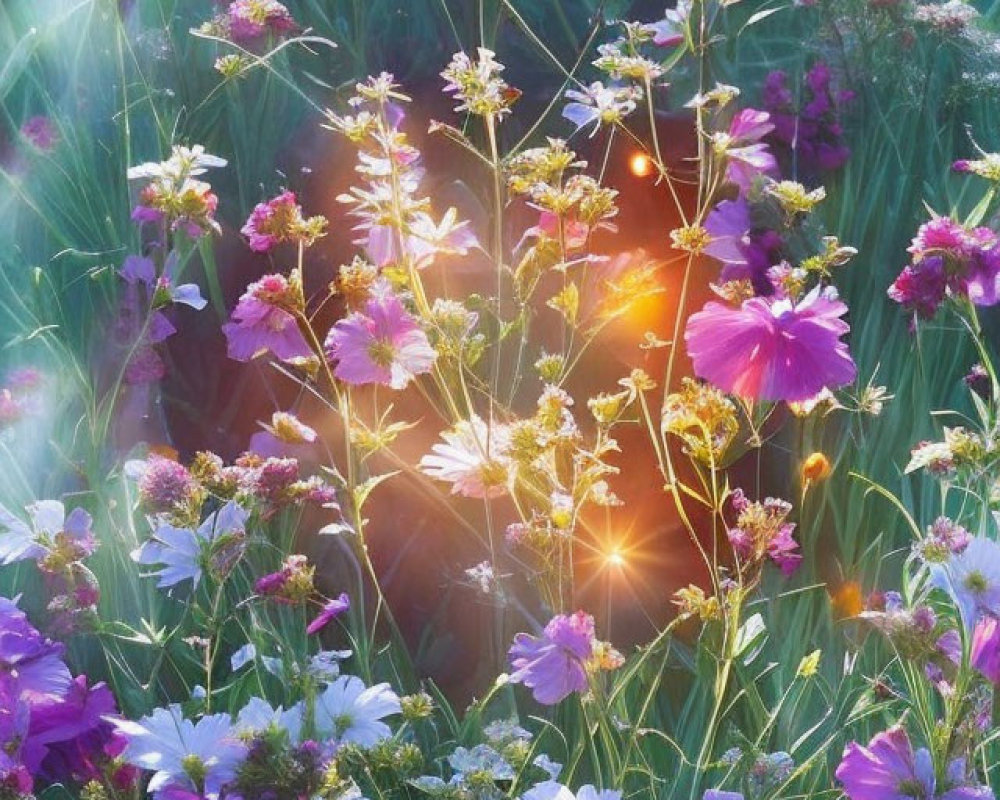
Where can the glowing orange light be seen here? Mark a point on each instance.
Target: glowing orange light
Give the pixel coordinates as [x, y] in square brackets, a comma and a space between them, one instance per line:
[640, 165]
[615, 559]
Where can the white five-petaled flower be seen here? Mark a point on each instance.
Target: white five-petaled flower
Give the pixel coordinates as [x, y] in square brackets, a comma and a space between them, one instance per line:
[201, 756]
[183, 162]
[183, 552]
[349, 712]
[473, 459]
[550, 790]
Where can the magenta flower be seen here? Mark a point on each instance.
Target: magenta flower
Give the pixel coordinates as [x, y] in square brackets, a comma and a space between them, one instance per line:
[251, 19]
[280, 220]
[745, 253]
[333, 609]
[986, 649]
[384, 344]
[889, 769]
[37, 662]
[553, 665]
[42, 134]
[261, 322]
[770, 349]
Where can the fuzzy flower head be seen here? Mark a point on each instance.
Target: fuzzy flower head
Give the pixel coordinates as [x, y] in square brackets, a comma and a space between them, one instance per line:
[165, 485]
[769, 349]
[185, 553]
[762, 531]
[201, 757]
[477, 84]
[554, 665]
[473, 458]
[280, 220]
[599, 105]
[263, 321]
[384, 344]
[703, 418]
[250, 19]
[351, 713]
[292, 584]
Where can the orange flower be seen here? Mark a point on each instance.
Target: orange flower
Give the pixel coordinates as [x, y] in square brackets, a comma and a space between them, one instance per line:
[847, 600]
[816, 468]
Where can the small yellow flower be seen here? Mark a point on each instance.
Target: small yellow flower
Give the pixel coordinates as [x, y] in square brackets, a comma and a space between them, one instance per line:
[703, 418]
[809, 665]
[692, 601]
[691, 239]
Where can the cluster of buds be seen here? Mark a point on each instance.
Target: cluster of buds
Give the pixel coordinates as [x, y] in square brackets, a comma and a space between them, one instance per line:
[623, 58]
[477, 85]
[944, 539]
[292, 584]
[279, 220]
[703, 418]
[247, 22]
[961, 454]
[762, 531]
[398, 229]
[172, 195]
[914, 633]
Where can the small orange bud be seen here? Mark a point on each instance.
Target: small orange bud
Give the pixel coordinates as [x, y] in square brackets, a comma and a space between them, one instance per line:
[816, 468]
[847, 600]
[164, 451]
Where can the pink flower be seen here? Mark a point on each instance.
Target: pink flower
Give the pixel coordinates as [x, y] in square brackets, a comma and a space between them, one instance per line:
[986, 649]
[262, 323]
[746, 155]
[250, 19]
[384, 344]
[333, 609]
[280, 220]
[42, 134]
[770, 349]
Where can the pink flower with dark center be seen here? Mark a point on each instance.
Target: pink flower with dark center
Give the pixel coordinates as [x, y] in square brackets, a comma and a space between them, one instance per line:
[769, 349]
[261, 322]
[384, 344]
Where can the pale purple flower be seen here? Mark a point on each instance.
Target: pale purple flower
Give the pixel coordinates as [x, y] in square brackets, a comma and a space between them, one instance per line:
[37, 662]
[349, 712]
[258, 715]
[384, 344]
[553, 665]
[178, 750]
[599, 105]
[286, 435]
[184, 553]
[889, 769]
[50, 528]
[261, 322]
[972, 578]
[551, 790]
[771, 349]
